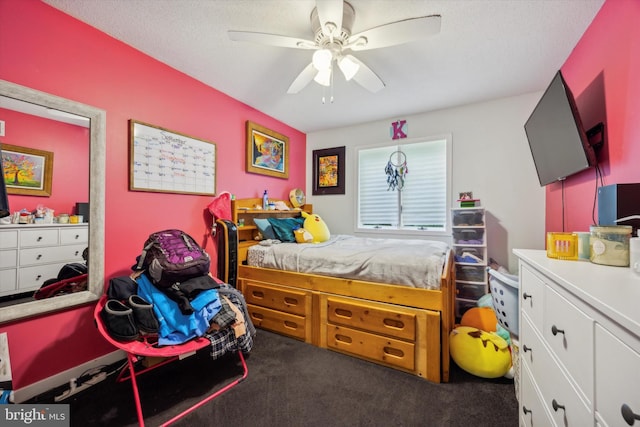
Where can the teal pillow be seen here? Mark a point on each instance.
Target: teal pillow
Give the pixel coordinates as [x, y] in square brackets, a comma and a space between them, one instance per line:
[265, 228]
[283, 228]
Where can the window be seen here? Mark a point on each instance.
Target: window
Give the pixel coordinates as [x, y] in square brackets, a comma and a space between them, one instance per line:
[422, 203]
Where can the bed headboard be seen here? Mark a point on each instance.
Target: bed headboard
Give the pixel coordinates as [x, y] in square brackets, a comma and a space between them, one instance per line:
[243, 211]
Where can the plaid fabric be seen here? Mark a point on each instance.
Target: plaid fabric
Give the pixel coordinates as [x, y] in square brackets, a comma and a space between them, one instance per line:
[226, 316]
[225, 340]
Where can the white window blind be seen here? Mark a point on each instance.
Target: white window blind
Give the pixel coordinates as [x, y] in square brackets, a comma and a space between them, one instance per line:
[421, 204]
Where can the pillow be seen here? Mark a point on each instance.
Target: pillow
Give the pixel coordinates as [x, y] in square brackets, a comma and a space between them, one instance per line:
[265, 228]
[283, 228]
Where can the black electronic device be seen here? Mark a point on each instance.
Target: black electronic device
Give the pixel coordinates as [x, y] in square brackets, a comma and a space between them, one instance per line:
[83, 209]
[618, 201]
[559, 144]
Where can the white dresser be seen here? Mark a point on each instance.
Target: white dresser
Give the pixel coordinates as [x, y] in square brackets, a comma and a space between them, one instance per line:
[31, 254]
[579, 343]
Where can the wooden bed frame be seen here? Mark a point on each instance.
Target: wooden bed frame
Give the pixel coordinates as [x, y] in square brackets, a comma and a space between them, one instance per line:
[397, 326]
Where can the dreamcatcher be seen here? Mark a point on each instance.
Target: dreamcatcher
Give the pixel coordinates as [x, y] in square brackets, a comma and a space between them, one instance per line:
[396, 170]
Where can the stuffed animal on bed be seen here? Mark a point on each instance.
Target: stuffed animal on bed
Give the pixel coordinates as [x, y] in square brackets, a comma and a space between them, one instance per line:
[316, 226]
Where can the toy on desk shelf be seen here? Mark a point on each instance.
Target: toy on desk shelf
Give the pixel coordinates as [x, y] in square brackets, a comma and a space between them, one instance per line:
[316, 226]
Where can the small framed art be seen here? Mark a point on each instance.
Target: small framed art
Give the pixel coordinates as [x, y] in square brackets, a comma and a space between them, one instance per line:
[329, 171]
[267, 151]
[27, 171]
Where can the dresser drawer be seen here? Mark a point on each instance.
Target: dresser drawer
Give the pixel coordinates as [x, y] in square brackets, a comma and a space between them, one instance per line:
[39, 237]
[69, 236]
[8, 280]
[35, 256]
[371, 317]
[375, 347]
[531, 295]
[617, 378]
[532, 410]
[277, 321]
[569, 333]
[278, 298]
[8, 258]
[551, 380]
[31, 278]
[8, 239]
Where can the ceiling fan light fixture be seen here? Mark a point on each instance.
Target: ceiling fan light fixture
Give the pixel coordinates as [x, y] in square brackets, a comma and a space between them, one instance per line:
[348, 67]
[323, 77]
[322, 59]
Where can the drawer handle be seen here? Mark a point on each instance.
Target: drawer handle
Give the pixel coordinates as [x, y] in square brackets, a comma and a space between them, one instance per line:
[77, 253]
[628, 415]
[556, 405]
[525, 348]
[39, 256]
[525, 410]
[290, 301]
[77, 236]
[555, 331]
[526, 296]
[39, 238]
[257, 294]
[38, 277]
[341, 312]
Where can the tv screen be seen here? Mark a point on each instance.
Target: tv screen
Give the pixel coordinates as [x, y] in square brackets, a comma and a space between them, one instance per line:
[4, 198]
[557, 139]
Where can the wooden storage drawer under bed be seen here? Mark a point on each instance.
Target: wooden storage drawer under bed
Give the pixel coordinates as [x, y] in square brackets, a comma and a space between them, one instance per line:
[401, 337]
[280, 309]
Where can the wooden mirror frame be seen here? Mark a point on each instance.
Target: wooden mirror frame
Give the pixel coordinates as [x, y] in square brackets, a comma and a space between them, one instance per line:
[97, 159]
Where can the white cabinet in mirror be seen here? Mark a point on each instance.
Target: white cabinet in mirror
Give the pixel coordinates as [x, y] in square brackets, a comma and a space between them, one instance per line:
[12, 274]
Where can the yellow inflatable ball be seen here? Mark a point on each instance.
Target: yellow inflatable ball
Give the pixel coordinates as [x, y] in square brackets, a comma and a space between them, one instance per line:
[483, 354]
[483, 318]
[316, 226]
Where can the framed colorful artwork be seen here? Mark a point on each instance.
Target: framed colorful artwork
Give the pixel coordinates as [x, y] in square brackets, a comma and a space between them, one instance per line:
[328, 171]
[267, 151]
[27, 171]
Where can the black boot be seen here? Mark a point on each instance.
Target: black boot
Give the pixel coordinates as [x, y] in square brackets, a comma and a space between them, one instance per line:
[145, 319]
[118, 319]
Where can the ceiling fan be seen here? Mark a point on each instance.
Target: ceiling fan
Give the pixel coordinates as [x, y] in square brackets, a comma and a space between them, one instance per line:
[331, 23]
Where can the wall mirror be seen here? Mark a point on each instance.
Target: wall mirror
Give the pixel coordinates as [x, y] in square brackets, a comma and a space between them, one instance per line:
[97, 142]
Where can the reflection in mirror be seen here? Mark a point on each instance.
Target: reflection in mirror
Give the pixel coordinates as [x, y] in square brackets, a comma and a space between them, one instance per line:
[10, 92]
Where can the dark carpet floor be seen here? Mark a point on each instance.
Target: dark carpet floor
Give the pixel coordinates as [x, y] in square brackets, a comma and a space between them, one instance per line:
[291, 383]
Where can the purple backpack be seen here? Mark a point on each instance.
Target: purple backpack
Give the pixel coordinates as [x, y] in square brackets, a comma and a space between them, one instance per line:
[172, 256]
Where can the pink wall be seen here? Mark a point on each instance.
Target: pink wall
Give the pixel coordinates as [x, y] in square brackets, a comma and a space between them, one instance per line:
[52, 52]
[603, 72]
[68, 143]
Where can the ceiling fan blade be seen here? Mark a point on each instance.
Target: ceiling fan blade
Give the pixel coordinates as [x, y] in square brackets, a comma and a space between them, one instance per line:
[303, 79]
[271, 40]
[330, 11]
[365, 77]
[395, 33]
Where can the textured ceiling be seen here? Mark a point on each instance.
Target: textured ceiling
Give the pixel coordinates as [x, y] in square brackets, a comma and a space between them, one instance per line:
[486, 49]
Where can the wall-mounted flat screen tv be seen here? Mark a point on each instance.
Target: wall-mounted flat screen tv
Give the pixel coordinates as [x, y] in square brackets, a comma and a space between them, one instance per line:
[558, 141]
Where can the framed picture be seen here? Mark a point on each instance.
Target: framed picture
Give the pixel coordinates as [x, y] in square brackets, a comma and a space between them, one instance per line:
[328, 171]
[165, 161]
[27, 171]
[267, 151]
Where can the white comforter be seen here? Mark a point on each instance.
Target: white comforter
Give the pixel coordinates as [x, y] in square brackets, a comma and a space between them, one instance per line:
[415, 263]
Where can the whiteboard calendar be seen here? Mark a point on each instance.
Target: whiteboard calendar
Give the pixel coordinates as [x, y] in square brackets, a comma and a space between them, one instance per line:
[166, 161]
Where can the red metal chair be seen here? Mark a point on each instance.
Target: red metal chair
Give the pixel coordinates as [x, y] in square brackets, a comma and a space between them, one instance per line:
[147, 347]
